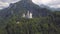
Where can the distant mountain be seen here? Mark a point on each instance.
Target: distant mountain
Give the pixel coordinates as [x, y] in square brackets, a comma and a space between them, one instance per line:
[55, 9]
[22, 6]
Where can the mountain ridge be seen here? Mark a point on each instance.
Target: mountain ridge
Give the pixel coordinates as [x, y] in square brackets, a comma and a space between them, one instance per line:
[23, 6]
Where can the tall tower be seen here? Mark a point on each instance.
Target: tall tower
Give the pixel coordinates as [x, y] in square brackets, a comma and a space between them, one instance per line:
[30, 15]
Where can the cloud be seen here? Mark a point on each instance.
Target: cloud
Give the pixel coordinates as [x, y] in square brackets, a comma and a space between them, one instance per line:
[5, 3]
[54, 2]
[55, 6]
[50, 3]
[41, 1]
[10, 1]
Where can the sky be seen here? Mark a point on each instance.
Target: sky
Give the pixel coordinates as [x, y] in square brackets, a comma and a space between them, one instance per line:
[50, 3]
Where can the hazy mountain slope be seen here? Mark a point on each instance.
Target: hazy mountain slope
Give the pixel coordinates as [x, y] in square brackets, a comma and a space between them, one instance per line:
[23, 6]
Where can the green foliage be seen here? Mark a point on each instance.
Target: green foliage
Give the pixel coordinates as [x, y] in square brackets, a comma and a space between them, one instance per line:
[29, 26]
[42, 25]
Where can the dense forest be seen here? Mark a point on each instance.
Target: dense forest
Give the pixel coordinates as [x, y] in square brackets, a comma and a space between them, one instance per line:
[42, 25]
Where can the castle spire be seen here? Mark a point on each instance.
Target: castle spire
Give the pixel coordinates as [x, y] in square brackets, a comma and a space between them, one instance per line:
[30, 15]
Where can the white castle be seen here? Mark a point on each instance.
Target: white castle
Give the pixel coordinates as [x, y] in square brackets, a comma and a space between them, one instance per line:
[27, 15]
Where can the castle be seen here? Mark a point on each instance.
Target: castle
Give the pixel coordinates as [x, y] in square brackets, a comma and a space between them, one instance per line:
[27, 15]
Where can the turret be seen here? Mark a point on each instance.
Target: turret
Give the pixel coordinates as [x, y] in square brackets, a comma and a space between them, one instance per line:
[30, 15]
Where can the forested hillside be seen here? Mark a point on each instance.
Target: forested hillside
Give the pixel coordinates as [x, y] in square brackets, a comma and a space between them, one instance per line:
[39, 25]
[42, 25]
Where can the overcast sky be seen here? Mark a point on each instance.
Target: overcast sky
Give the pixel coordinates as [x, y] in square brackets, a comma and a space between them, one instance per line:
[50, 3]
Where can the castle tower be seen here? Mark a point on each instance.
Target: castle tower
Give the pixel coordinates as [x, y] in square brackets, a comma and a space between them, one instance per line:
[27, 15]
[30, 15]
